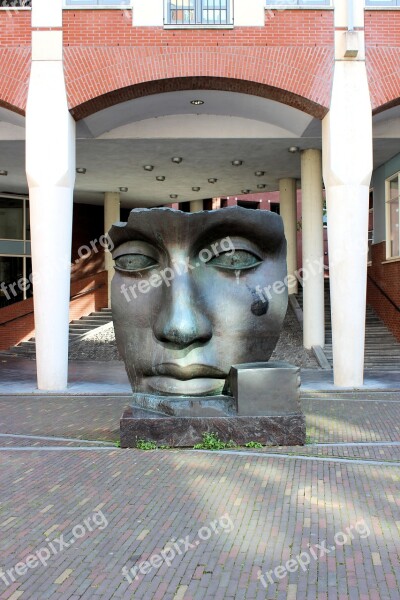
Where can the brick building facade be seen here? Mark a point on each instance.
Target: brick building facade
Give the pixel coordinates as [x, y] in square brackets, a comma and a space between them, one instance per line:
[112, 90]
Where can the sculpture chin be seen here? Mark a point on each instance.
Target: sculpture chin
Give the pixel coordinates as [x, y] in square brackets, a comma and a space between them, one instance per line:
[200, 386]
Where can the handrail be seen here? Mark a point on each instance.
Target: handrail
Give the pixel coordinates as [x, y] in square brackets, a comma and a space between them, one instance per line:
[384, 293]
[74, 297]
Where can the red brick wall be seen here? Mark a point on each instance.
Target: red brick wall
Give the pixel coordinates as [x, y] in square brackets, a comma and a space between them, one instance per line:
[19, 330]
[15, 57]
[382, 37]
[23, 327]
[290, 59]
[388, 278]
[96, 300]
[293, 52]
[108, 61]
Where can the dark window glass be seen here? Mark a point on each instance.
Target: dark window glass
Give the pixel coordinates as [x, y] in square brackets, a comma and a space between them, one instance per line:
[11, 271]
[11, 219]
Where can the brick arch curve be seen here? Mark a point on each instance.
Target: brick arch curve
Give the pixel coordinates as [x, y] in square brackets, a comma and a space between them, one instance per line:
[101, 77]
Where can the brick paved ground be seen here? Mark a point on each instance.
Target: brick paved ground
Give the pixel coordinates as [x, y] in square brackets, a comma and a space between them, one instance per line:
[275, 507]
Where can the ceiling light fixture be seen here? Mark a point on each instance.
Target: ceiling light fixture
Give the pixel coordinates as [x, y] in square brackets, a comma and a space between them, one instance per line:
[81, 170]
[237, 163]
[259, 173]
[173, 196]
[246, 191]
[160, 178]
[261, 186]
[123, 189]
[293, 149]
[212, 180]
[197, 102]
[148, 167]
[196, 189]
[177, 160]
[3, 172]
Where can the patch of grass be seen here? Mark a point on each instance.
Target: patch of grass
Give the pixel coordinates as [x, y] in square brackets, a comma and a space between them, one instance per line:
[212, 442]
[146, 445]
[253, 445]
[118, 444]
[309, 440]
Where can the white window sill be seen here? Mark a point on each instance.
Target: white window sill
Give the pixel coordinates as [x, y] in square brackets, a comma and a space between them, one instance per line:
[381, 7]
[193, 26]
[391, 260]
[297, 7]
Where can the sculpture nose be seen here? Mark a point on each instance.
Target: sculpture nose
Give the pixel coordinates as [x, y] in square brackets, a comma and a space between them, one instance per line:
[180, 321]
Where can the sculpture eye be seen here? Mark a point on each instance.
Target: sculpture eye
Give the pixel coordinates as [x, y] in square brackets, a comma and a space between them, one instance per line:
[236, 260]
[134, 262]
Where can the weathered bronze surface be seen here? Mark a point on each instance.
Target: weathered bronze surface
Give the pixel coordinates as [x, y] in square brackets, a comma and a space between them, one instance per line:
[185, 302]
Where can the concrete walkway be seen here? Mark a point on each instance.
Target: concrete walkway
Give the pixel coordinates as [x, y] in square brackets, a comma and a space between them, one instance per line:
[18, 376]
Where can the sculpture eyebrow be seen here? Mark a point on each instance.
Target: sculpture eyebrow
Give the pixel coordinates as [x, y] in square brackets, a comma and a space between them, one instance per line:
[254, 232]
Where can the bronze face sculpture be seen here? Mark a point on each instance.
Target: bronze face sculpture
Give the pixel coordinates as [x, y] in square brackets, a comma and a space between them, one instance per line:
[184, 296]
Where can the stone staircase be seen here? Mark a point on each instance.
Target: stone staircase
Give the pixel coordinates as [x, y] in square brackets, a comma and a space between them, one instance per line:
[77, 331]
[382, 350]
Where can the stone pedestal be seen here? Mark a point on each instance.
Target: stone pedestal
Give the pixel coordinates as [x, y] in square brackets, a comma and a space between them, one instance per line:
[138, 424]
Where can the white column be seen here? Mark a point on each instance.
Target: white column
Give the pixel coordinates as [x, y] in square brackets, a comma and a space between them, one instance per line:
[50, 169]
[112, 214]
[288, 210]
[196, 205]
[313, 249]
[347, 148]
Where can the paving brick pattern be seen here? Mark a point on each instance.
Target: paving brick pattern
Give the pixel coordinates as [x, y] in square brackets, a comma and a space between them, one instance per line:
[357, 419]
[275, 508]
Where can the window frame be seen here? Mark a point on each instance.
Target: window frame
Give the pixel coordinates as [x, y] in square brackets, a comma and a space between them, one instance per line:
[199, 8]
[381, 5]
[389, 255]
[25, 240]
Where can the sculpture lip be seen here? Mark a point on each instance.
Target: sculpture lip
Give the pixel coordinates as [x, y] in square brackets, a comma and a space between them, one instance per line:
[189, 372]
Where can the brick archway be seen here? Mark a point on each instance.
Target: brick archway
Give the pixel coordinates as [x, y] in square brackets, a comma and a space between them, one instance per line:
[197, 83]
[298, 77]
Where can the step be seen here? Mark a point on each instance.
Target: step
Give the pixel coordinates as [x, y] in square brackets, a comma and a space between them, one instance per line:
[20, 350]
[94, 322]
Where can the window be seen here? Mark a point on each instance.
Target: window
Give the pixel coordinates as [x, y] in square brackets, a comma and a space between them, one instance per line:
[248, 204]
[16, 3]
[392, 217]
[198, 12]
[370, 224]
[15, 262]
[11, 219]
[384, 3]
